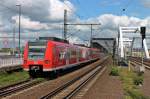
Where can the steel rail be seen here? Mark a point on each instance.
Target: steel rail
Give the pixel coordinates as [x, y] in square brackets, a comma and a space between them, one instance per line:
[18, 87]
[67, 84]
[78, 88]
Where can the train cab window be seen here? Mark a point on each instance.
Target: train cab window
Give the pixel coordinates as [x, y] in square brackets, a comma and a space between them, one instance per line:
[36, 50]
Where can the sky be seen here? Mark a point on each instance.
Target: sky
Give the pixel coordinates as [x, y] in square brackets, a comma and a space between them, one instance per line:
[94, 8]
[45, 18]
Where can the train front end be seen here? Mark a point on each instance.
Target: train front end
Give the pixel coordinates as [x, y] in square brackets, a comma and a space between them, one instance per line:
[37, 57]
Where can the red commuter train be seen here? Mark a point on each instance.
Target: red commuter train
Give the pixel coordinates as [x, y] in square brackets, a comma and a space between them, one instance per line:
[51, 54]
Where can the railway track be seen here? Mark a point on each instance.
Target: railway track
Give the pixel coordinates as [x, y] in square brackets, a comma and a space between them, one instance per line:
[21, 82]
[135, 61]
[42, 90]
[70, 88]
[8, 90]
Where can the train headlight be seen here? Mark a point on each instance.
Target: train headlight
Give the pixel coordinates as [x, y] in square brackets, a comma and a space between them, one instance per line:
[25, 61]
[47, 61]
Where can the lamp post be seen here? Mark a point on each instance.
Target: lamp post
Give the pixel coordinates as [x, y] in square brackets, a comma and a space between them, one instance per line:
[19, 29]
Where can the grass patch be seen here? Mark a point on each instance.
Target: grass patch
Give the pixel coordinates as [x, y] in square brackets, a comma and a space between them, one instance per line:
[135, 94]
[130, 81]
[11, 78]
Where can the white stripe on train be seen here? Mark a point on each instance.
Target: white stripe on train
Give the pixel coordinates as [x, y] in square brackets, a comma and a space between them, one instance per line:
[65, 66]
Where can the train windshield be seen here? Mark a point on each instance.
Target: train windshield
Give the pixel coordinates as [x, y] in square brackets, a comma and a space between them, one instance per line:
[36, 50]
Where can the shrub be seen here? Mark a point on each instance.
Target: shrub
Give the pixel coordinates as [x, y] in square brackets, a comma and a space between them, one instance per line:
[138, 80]
[114, 71]
[140, 73]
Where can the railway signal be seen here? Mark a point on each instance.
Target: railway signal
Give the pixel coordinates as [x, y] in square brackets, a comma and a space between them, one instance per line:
[142, 32]
[143, 29]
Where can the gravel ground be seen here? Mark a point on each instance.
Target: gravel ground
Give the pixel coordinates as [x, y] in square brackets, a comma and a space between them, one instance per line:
[44, 88]
[106, 87]
[146, 85]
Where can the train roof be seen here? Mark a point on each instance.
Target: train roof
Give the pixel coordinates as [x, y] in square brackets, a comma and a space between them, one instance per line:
[57, 41]
[82, 45]
[37, 42]
[54, 39]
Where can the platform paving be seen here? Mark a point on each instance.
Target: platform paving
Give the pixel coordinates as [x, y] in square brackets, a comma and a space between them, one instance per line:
[146, 85]
[106, 87]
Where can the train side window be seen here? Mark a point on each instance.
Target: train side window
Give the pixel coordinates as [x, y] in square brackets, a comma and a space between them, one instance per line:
[73, 53]
[62, 55]
[84, 53]
[80, 54]
[68, 54]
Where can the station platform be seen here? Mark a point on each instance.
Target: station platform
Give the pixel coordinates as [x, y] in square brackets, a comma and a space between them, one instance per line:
[105, 88]
[146, 88]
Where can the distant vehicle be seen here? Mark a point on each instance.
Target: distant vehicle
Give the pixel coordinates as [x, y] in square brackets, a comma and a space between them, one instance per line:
[42, 56]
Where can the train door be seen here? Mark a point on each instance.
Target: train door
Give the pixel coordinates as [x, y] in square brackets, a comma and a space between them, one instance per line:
[67, 56]
[60, 56]
[78, 54]
[56, 56]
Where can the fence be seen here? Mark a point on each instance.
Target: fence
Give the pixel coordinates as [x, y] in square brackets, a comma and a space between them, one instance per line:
[9, 62]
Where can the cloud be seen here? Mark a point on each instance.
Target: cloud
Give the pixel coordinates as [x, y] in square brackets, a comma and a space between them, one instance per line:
[26, 23]
[47, 12]
[46, 19]
[76, 40]
[109, 27]
[111, 22]
[146, 3]
[109, 3]
[57, 9]
[36, 16]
